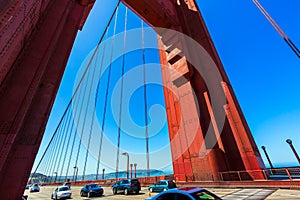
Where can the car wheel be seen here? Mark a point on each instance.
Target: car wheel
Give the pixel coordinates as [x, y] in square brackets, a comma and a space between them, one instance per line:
[137, 192]
[151, 189]
[51, 196]
[81, 194]
[89, 195]
[115, 191]
[126, 191]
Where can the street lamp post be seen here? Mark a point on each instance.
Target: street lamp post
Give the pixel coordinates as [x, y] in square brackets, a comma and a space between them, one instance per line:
[103, 171]
[75, 173]
[126, 154]
[135, 169]
[131, 165]
[268, 158]
[55, 176]
[289, 141]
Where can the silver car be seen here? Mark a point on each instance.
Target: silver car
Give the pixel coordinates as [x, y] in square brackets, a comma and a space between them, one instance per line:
[62, 192]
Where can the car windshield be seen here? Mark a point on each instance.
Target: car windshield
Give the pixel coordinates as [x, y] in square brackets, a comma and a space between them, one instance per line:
[63, 189]
[204, 195]
[93, 186]
[125, 182]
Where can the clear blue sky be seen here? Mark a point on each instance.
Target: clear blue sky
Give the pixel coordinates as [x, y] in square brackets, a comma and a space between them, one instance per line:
[262, 69]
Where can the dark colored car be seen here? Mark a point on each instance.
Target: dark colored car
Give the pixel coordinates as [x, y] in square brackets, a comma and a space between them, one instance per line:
[91, 190]
[162, 185]
[188, 193]
[68, 184]
[127, 186]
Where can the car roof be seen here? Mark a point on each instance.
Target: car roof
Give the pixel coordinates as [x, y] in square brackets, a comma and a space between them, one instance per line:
[185, 190]
[63, 186]
[191, 189]
[92, 184]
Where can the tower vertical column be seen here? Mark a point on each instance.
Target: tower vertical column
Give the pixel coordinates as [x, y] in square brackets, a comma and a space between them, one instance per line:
[29, 88]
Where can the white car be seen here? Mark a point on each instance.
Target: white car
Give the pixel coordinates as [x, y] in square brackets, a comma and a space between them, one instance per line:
[34, 188]
[62, 192]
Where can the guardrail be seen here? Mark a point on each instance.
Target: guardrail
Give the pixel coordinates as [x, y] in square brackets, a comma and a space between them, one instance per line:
[145, 181]
[268, 174]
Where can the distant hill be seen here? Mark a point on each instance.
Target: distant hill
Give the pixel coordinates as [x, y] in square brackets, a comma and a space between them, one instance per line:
[121, 174]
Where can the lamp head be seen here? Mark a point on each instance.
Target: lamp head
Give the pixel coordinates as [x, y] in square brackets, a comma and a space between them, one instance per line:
[289, 141]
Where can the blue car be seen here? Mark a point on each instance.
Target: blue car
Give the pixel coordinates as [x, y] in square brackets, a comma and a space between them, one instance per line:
[162, 185]
[91, 190]
[34, 188]
[127, 186]
[188, 193]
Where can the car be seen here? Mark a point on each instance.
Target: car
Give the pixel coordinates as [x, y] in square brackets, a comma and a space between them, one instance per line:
[90, 190]
[34, 188]
[162, 185]
[187, 193]
[68, 184]
[62, 192]
[127, 186]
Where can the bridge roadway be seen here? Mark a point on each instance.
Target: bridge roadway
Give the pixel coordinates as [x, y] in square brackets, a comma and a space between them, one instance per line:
[226, 194]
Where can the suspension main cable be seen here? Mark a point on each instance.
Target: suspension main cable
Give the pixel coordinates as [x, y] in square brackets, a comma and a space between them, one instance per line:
[277, 28]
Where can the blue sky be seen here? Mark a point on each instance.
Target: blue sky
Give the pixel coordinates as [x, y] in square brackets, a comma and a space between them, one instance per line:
[262, 69]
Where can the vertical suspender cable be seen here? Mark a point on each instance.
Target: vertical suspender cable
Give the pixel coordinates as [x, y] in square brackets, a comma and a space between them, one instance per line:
[121, 94]
[76, 101]
[78, 121]
[69, 105]
[68, 133]
[277, 28]
[51, 140]
[97, 93]
[107, 90]
[64, 137]
[56, 151]
[88, 102]
[145, 101]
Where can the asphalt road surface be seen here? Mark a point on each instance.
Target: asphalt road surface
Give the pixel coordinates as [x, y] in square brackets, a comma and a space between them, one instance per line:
[45, 193]
[226, 194]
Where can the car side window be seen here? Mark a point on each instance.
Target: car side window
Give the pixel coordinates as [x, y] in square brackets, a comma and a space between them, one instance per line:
[163, 183]
[167, 196]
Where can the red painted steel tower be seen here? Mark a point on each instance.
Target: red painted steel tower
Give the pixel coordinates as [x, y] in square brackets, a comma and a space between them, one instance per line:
[36, 37]
[201, 146]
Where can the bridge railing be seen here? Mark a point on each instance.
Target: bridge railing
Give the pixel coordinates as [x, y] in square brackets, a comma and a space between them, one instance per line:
[145, 181]
[268, 174]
